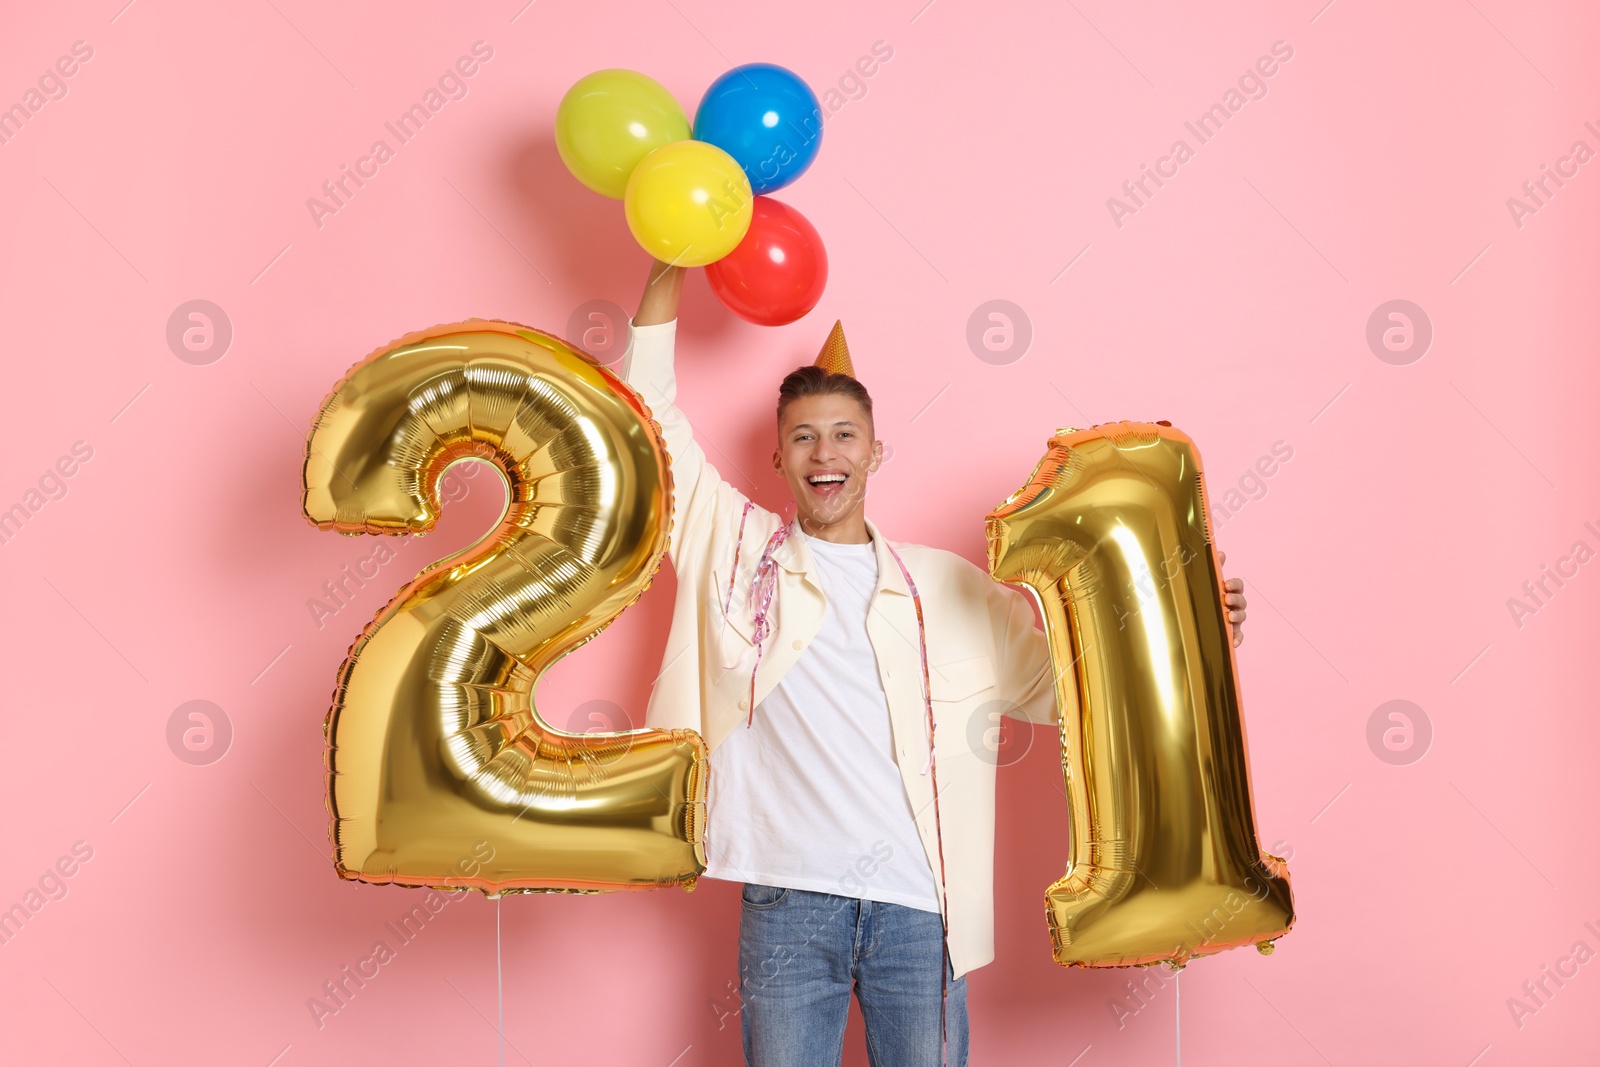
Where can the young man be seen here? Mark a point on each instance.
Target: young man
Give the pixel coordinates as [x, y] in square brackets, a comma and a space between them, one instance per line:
[797, 649]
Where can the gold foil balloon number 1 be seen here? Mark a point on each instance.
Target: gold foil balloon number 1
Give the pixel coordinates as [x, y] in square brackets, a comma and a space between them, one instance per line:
[1111, 533]
[434, 743]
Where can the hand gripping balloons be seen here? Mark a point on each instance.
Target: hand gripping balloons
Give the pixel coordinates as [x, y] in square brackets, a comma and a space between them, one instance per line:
[1111, 534]
[609, 121]
[779, 270]
[688, 204]
[435, 746]
[766, 118]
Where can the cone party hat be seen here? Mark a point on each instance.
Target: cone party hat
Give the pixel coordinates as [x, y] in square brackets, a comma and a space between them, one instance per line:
[835, 354]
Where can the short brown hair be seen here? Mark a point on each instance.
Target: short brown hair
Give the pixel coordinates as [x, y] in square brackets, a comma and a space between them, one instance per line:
[812, 380]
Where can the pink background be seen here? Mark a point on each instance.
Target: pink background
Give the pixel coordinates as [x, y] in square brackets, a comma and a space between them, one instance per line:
[974, 165]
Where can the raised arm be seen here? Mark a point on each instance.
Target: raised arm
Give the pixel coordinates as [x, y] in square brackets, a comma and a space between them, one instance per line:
[661, 292]
[702, 501]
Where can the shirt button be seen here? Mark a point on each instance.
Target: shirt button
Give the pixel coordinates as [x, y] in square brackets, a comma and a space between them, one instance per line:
[799, 644]
[744, 705]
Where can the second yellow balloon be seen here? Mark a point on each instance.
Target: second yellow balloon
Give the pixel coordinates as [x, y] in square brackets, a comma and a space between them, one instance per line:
[688, 203]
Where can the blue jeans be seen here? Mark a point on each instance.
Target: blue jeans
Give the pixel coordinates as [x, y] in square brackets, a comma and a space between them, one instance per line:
[800, 954]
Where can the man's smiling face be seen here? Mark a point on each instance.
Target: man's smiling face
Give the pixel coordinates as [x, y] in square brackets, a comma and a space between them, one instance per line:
[826, 451]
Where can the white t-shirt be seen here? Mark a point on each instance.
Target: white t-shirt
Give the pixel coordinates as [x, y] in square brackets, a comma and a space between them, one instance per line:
[809, 796]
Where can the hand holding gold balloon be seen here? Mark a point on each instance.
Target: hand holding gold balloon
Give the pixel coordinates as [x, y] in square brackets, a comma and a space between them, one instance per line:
[691, 199]
[1111, 534]
[434, 741]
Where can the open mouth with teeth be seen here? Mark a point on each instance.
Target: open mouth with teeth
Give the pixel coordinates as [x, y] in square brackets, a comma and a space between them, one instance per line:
[827, 484]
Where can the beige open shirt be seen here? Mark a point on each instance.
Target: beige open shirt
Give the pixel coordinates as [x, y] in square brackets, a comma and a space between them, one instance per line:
[984, 651]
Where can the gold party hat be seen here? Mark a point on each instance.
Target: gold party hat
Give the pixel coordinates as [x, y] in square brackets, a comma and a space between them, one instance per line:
[835, 354]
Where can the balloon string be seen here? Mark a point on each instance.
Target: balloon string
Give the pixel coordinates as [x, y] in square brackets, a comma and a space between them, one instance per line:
[1177, 1015]
[499, 982]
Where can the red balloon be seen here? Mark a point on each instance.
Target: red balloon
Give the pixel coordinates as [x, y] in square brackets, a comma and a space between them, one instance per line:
[777, 273]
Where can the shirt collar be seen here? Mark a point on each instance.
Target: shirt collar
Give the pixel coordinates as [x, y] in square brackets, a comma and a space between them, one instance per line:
[793, 556]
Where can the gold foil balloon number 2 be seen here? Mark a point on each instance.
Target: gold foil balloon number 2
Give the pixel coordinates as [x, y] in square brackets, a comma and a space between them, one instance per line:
[434, 745]
[1112, 535]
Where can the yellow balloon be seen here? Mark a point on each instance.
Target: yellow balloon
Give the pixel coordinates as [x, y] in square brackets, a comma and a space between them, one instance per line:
[689, 203]
[441, 770]
[609, 121]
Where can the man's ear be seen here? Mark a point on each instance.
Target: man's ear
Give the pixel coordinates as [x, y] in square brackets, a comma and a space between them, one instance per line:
[877, 457]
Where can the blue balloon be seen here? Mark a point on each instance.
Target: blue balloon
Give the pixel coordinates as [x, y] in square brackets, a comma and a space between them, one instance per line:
[766, 118]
